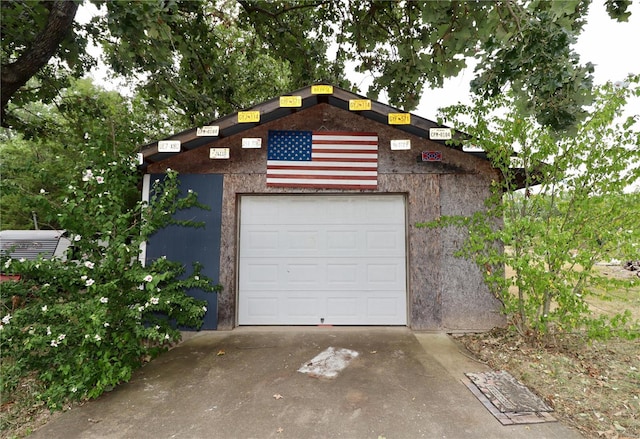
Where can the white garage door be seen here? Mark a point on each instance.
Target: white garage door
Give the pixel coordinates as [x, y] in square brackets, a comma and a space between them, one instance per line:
[313, 259]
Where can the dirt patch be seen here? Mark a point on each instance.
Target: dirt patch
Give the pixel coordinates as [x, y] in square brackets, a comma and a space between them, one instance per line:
[593, 386]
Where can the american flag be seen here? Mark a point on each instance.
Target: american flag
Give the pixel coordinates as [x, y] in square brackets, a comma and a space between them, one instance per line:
[323, 159]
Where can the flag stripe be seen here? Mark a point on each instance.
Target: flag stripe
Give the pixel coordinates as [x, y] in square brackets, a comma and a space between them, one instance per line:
[338, 149]
[321, 183]
[365, 175]
[319, 140]
[323, 186]
[315, 165]
[322, 159]
[330, 178]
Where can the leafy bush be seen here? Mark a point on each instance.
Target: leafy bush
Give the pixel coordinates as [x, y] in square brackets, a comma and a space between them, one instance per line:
[84, 324]
[559, 208]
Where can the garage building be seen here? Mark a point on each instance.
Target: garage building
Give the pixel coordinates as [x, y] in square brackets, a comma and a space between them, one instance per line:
[314, 199]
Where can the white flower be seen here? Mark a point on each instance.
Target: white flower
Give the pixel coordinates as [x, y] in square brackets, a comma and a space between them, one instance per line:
[148, 278]
[6, 319]
[168, 169]
[190, 191]
[197, 277]
[157, 181]
[84, 277]
[74, 389]
[100, 179]
[62, 337]
[97, 337]
[106, 324]
[46, 285]
[140, 308]
[90, 282]
[48, 330]
[22, 260]
[7, 264]
[77, 238]
[166, 336]
[87, 175]
[44, 308]
[71, 188]
[104, 300]
[154, 300]
[204, 308]
[89, 264]
[54, 343]
[1, 327]
[42, 191]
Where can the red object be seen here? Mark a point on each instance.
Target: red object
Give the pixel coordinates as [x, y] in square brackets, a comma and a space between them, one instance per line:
[431, 156]
[8, 277]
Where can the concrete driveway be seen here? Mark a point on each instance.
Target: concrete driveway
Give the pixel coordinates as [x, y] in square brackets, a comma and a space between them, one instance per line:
[401, 385]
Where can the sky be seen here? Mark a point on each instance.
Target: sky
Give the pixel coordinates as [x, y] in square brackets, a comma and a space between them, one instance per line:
[603, 42]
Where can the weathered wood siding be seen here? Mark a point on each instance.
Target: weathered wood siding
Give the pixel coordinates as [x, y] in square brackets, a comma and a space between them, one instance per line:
[444, 292]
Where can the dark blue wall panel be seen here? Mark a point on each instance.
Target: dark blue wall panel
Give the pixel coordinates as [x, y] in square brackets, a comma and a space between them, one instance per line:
[189, 244]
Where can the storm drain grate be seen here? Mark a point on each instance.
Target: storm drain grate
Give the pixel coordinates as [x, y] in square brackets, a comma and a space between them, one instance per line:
[510, 401]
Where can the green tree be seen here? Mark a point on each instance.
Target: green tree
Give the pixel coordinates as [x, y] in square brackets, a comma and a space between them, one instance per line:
[54, 139]
[571, 212]
[207, 57]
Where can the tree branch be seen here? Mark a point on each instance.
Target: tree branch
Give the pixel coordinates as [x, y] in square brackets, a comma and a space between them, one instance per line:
[44, 46]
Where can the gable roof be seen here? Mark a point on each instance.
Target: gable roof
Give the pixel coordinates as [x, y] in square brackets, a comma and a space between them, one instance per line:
[271, 110]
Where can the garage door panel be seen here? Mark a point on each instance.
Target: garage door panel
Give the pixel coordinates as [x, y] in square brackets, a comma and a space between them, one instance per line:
[342, 307]
[262, 274]
[383, 211]
[382, 307]
[302, 307]
[333, 259]
[340, 274]
[261, 240]
[335, 241]
[385, 275]
[262, 307]
[323, 274]
[298, 275]
[387, 240]
[306, 240]
[342, 240]
[268, 213]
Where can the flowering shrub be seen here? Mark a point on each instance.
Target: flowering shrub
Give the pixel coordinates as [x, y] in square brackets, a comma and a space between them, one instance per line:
[84, 324]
